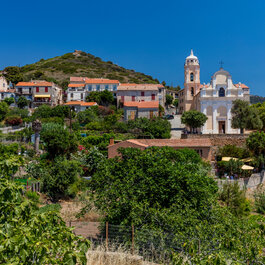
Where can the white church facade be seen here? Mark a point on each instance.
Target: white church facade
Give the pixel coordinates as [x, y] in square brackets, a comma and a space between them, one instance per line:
[214, 99]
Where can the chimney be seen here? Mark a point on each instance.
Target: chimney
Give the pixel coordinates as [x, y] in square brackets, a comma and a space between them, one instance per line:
[111, 141]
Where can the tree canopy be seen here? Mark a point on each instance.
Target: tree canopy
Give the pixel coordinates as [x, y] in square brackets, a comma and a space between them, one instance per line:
[193, 119]
[22, 102]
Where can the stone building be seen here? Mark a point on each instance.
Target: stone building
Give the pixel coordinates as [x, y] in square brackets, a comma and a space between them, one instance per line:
[214, 99]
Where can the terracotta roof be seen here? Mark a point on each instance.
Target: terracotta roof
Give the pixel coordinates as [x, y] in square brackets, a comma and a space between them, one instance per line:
[128, 84]
[206, 142]
[81, 103]
[101, 81]
[140, 87]
[76, 85]
[201, 86]
[142, 104]
[44, 83]
[242, 85]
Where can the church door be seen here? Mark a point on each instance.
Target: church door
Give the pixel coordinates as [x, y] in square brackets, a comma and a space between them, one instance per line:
[221, 127]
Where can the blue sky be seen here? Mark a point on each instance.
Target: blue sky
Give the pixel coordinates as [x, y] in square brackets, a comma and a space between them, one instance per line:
[153, 37]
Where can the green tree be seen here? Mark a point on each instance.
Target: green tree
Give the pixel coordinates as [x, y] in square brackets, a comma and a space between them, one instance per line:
[3, 110]
[106, 98]
[235, 199]
[94, 96]
[9, 100]
[169, 99]
[22, 102]
[57, 140]
[193, 119]
[256, 143]
[245, 117]
[22, 113]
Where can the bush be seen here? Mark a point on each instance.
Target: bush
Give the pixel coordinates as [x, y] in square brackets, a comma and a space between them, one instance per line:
[233, 151]
[235, 199]
[13, 120]
[260, 200]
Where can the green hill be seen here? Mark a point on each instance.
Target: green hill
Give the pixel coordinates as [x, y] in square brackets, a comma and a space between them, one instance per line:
[60, 68]
[256, 99]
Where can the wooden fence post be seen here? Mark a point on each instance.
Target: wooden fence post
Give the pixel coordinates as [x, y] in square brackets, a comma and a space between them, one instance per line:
[107, 236]
[132, 239]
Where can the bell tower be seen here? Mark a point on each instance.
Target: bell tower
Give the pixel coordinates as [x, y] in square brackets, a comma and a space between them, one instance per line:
[191, 80]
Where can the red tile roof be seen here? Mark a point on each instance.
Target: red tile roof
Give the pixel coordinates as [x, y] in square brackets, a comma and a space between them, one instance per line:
[81, 103]
[242, 85]
[101, 81]
[8, 91]
[44, 83]
[140, 87]
[142, 104]
[76, 85]
[206, 142]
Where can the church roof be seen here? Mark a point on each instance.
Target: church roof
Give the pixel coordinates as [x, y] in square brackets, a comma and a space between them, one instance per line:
[222, 72]
[192, 56]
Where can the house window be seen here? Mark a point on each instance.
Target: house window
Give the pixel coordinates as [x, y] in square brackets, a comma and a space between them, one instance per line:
[82, 96]
[89, 87]
[192, 91]
[221, 92]
[115, 87]
[37, 89]
[122, 98]
[106, 87]
[191, 77]
[142, 94]
[133, 98]
[72, 95]
[153, 97]
[98, 87]
[46, 89]
[160, 90]
[4, 84]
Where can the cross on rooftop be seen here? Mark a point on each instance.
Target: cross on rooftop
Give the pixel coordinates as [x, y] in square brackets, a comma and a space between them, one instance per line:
[221, 63]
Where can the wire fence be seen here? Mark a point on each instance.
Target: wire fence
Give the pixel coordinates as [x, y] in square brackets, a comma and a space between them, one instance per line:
[152, 245]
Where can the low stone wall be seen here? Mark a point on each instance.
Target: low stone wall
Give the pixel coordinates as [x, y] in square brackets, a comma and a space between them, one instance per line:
[250, 184]
[219, 139]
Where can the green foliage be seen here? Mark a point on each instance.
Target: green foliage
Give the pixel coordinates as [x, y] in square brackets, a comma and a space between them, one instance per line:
[234, 199]
[193, 119]
[87, 116]
[176, 102]
[57, 140]
[3, 110]
[244, 116]
[30, 237]
[161, 110]
[22, 102]
[169, 99]
[23, 113]
[9, 100]
[151, 179]
[58, 177]
[230, 167]
[153, 128]
[260, 200]
[101, 141]
[233, 151]
[54, 207]
[256, 143]
[104, 98]
[13, 74]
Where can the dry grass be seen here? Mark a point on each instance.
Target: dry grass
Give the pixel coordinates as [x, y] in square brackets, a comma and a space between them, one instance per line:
[98, 256]
[71, 208]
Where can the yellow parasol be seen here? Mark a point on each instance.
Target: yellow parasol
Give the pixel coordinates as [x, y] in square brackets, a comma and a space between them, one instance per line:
[227, 158]
[246, 167]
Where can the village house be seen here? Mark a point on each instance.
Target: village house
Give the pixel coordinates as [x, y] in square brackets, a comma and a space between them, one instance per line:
[6, 90]
[80, 87]
[39, 92]
[202, 146]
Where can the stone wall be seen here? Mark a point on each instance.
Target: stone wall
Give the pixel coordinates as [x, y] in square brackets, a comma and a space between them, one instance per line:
[250, 183]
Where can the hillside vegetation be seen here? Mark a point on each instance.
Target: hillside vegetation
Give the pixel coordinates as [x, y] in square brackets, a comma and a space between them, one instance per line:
[60, 68]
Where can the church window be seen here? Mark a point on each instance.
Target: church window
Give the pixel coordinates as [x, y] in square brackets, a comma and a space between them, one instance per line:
[191, 77]
[192, 91]
[221, 92]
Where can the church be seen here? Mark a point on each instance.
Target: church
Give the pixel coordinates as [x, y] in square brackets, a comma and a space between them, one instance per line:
[213, 99]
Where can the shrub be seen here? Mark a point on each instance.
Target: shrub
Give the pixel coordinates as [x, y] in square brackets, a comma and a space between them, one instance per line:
[13, 120]
[234, 199]
[260, 200]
